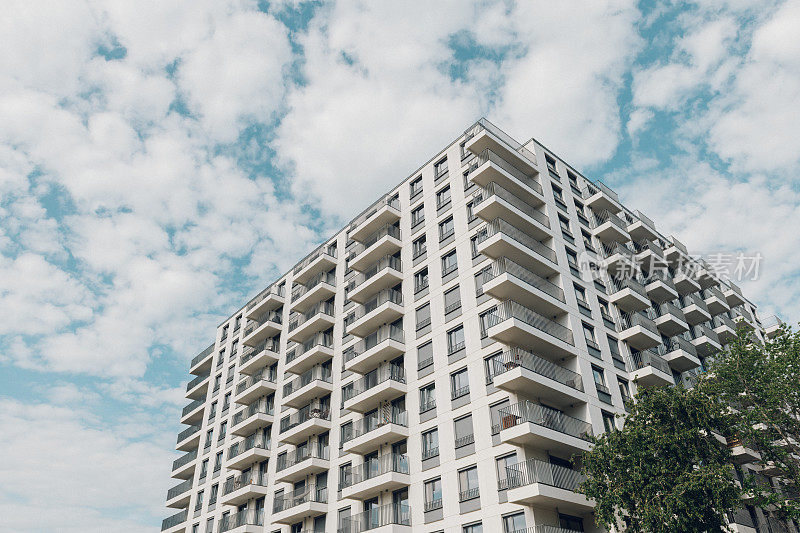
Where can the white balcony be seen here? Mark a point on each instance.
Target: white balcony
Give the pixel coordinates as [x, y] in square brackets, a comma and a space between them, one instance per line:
[508, 280]
[293, 467]
[383, 274]
[705, 340]
[255, 416]
[382, 345]
[193, 412]
[197, 387]
[299, 426]
[670, 320]
[312, 352]
[527, 374]
[741, 453]
[772, 326]
[608, 227]
[245, 453]
[317, 289]
[724, 327]
[188, 439]
[534, 425]
[502, 239]
[385, 241]
[254, 358]
[649, 369]
[660, 288]
[715, 301]
[258, 330]
[244, 487]
[384, 308]
[320, 260]
[684, 284]
[183, 467]
[269, 300]
[638, 331]
[513, 323]
[299, 505]
[494, 201]
[385, 211]
[599, 197]
[370, 433]
[178, 496]
[733, 294]
[201, 363]
[680, 354]
[259, 384]
[175, 523]
[313, 383]
[317, 319]
[694, 310]
[383, 474]
[641, 227]
[628, 294]
[539, 483]
[368, 392]
[485, 136]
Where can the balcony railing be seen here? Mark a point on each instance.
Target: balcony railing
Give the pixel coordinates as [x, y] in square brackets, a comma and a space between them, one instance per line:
[259, 406]
[192, 406]
[677, 343]
[255, 440]
[390, 199]
[245, 517]
[385, 515]
[319, 339]
[188, 432]
[262, 375]
[701, 330]
[304, 415]
[645, 245]
[196, 381]
[322, 277]
[388, 295]
[511, 309]
[484, 124]
[493, 189]
[629, 320]
[610, 249]
[667, 308]
[174, 520]
[601, 217]
[505, 265]
[184, 459]
[325, 308]
[617, 284]
[269, 316]
[272, 290]
[546, 417]
[536, 471]
[590, 189]
[385, 373]
[307, 494]
[298, 456]
[499, 225]
[382, 334]
[365, 425]
[517, 357]
[179, 489]
[272, 344]
[723, 320]
[545, 528]
[388, 229]
[644, 358]
[380, 265]
[325, 249]
[391, 462]
[253, 477]
[693, 299]
[316, 373]
[202, 355]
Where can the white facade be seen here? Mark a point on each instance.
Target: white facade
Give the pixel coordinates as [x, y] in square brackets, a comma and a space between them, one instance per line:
[533, 334]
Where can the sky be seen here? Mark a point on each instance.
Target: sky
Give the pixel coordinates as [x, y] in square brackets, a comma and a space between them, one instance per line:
[162, 161]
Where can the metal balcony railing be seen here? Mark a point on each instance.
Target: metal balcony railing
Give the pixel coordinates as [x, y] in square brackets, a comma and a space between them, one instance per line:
[184, 459]
[701, 330]
[385, 515]
[540, 415]
[265, 374]
[272, 344]
[303, 415]
[306, 494]
[722, 320]
[323, 277]
[693, 299]
[269, 316]
[391, 462]
[188, 432]
[610, 249]
[259, 406]
[385, 296]
[677, 343]
[325, 308]
[645, 245]
[316, 373]
[388, 261]
[192, 406]
[391, 200]
[493, 189]
[388, 229]
[644, 358]
[517, 357]
[601, 217]
[298, 456]
[500, 226]
[504, 265]
[617, 284]
[271, 290]
[385, 416]
[196, 381]
[202, 355]
[253, 477]
[179, 489]
[629, 320]
[245, 517]
[384, 373]
[668, 308]
[382, 334]
[325, 249]
[178, 518]
[713, 292]
[485, 125]
[536, 471]
[254, 440]
[319, 339]
[544, 528]
[510, 309]
[590, 189]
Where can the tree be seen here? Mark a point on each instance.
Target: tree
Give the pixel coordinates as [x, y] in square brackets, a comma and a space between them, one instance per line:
[664, 471]
[761, 382]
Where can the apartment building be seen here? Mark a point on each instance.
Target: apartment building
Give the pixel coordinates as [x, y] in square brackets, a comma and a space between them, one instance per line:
[438, 363]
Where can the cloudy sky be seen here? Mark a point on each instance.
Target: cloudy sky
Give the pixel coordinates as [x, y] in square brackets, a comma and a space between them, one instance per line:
[161, 161]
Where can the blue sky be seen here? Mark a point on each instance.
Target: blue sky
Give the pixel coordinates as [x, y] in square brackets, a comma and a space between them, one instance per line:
[161, 162]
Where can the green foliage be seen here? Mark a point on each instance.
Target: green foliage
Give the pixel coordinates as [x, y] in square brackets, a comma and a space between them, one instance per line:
[664, 471]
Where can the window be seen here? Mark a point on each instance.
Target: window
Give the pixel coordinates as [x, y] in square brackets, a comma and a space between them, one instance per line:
[221, 358]
[588, 334]
[210, 525]
[559, 196]
[417, 216]
[449, 263]
[502, 464]
[459, 383]
[564, 223]
[430, 444]
[423, 316]
[443, 197]
[223, 430]
[570, 523]
[514, 522]
[231, 370]
[551, 161]
[587, 240]
[485, 320]
[473, 528]
[203, 468]
[440, 168]
[572, 259]
[421, 280]
[608, 421]
[209, 433]
[218, 462]
[224, 332]
[199, 503]
[580, 294]
[217, 382]
[424, 355]
[494, 413]
[468, 484]
[212, 498]
[427, 397]
[624, 389]
[433, 494]
[479, 280]
[452, 300]
[415, 187]
[573, 179]
[446, 228]
[464, 434]
[419, 247]
[212, 412]
[226, 402]
[613, 347]
[455, 340]
[605, 310]
[599, 376]
[473, 246]
[470, 211]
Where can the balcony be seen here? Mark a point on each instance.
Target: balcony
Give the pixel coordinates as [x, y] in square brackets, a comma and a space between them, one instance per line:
[313, 383]
[628, 294]
[694, 309]
[772, 326]
[385, 273]
[493, 201]
[201, 363]
[183, 466]
[384, 241]
[608, 227]
[257, 415]
[384, 211]
[261, 383]
[197, 387]
[320, 260]
[684, 283]
[318, 318]
[484, 135]
[389, 518]
[369, 433]
[724, 327]
[257, 357]
[319, 288]
[310, 353]
[742, 318]
[660, 287]
[383, 384]
[638, 331]
[308, 421]
[179, 495]
[268, 300]
[733, 294]
[501, 239]
[513, 323]
[648, 252]
[675, 252]
[266, 325]
[386, 473]
[705, 340]
[522, 372]
[176, 522]
[641, 227]
[253, 449]
[382, 345]
[669, 319]
[188, 439]
[244, 521]
[703, 274]
[531, 424]
[680, 354]
[240, 489]
[617, 258]
[383, 308]
[741, 453]
[193, 412]
[599, 197]
[507, 280]
[715, 301]
[306, 502]
[650, 370]
[539, 483]
[296, 465]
